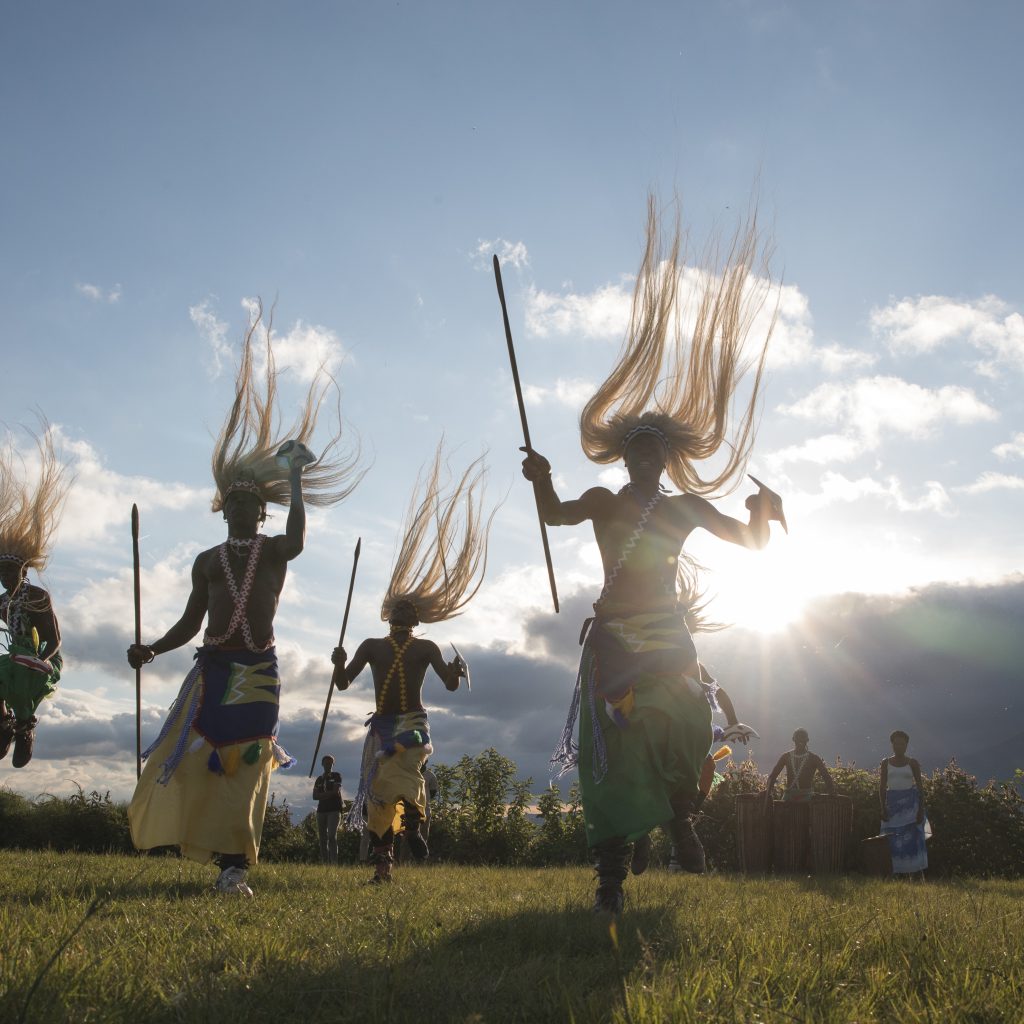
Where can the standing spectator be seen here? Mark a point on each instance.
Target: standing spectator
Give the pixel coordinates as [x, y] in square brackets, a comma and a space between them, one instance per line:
[327, 793]
[902, 800]
[800, 765]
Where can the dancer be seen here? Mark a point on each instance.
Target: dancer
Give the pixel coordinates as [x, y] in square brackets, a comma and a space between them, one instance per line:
[31, 667]
[645, 715]
[901, 795]
[433, 579]
[207, 776]
[800, 765]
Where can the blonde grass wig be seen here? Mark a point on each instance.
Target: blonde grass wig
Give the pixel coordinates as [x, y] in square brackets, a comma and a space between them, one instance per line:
[246, 446]
[30, 510]
[442, 558]
[683, 386]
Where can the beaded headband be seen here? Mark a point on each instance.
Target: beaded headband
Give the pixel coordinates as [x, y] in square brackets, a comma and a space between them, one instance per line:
[645, 428]
[243, 486]
[12, 558]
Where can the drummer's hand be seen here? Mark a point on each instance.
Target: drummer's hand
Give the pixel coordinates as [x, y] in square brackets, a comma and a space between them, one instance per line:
[139, 655]
[535, 466]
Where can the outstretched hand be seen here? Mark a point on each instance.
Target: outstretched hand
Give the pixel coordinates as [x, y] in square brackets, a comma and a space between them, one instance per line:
[535, 466]
[139, 655]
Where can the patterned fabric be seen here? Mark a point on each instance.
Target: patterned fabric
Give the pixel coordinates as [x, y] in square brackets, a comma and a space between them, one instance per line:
[387, 736]
[645, 726]
[22, 687]
[906, 836]
[207, 776]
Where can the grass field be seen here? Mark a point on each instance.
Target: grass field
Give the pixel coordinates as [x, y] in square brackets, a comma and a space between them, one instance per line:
[86, 938]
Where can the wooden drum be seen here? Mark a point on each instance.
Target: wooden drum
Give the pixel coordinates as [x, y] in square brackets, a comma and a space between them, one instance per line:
[789, 835]
[831, 820]
[753, 834]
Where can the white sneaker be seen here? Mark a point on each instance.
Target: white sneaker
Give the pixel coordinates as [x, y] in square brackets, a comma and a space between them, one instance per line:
[233, 880]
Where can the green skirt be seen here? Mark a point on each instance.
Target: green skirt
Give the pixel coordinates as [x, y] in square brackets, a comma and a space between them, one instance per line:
[655, 755]
[21, 688]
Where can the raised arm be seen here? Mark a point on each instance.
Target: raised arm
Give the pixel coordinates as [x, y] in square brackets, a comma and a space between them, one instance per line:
[556, 512]
[185, 628]
[294, 539]
[753, 534]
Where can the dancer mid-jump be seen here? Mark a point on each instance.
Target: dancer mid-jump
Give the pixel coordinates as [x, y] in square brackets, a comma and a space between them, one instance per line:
[645, 714]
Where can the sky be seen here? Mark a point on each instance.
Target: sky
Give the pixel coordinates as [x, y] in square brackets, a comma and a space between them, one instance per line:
[357, 165]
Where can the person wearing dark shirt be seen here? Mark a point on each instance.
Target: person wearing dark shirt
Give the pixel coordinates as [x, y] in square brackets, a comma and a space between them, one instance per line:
[327, 793]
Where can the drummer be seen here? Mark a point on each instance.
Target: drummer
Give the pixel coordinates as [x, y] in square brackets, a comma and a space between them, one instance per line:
[801, 765]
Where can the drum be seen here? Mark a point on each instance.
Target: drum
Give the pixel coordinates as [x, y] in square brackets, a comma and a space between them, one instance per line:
[789, 835]
[753, 834]
[876, 857]
[831, 823]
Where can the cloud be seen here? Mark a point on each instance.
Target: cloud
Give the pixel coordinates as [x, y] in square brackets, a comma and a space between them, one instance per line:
[215, 333]
[1012, 449]
[839, 489]
[992, 482]
[924, 324]
[573, 393]
[819, 450]
[513, 253]
[304, 349]
[99, 498]
[869, 407]
[97, 294]
[604, 314]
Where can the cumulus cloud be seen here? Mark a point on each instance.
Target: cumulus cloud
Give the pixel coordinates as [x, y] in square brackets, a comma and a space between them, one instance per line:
[214, 332]
[827, 448]
[96, 293]
[836, 488]
[993, 482]
[304, 349]
[513, 253]
[604, 314]
[923, 324]
[869, 407]
[1012, 449]
[98, 500]
[573, 393]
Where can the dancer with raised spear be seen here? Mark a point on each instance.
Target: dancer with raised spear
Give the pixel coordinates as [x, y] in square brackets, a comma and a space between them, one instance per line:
[206, 781]
[644, 705]
[439, 567]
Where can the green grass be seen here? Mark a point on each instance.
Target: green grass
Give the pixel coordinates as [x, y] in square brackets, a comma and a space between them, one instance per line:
[86, 938]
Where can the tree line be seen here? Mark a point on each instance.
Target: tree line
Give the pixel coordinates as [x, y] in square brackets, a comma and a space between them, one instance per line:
[485, 814]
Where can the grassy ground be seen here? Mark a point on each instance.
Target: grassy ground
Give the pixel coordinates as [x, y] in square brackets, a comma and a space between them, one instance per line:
[86, 938]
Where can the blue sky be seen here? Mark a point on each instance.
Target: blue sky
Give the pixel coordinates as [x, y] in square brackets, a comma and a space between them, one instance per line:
[163, 164]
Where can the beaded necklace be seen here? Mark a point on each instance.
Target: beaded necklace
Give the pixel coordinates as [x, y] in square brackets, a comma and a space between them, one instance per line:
[13, 608]
[240, 596]
[632, 541]
[796, 764]
[397, 667]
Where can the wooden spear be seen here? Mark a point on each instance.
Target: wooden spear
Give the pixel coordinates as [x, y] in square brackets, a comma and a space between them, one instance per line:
[138, 639]
[526, 426]
[341, 643]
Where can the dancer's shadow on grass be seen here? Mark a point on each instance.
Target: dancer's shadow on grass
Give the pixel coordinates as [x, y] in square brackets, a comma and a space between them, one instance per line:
[534, 965]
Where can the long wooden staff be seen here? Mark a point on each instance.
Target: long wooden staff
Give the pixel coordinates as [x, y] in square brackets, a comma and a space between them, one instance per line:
[526, 427]
[341, 643]
[138, 639]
